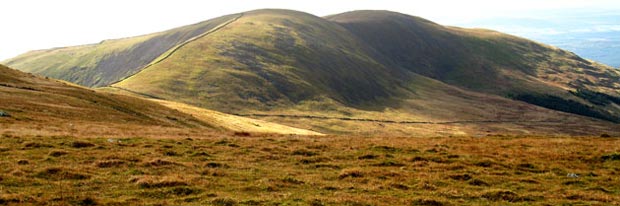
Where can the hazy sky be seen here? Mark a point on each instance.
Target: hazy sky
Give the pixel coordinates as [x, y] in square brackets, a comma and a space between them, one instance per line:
[39, 24]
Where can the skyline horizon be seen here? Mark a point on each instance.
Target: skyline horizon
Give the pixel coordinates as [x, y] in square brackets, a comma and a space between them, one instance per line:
[93, 27]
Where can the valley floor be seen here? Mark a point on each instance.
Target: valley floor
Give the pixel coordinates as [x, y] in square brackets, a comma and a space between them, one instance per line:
[250, 169]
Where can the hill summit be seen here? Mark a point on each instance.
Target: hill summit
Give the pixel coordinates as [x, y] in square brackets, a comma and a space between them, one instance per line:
[365, 70]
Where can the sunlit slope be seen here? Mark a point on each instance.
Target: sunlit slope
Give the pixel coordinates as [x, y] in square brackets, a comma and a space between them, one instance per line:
[109, 61]
[235, 123]
[380, 66]
[272, 63]
[46, 105]
[218, 120]
[268, 59]
[35, 105]
[273, 58]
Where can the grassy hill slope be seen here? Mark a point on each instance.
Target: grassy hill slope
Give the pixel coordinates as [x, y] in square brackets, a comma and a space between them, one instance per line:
[378, 67]
[268, 59]
[302, 70]
[44, 105]
[109, 61]
[473, 58]
[35, 105]
[487, 61]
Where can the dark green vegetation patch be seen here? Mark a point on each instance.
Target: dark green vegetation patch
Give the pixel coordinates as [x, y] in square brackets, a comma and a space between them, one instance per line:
[566, 105]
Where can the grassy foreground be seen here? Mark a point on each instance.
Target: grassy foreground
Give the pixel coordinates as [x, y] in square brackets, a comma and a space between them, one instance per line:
[247, 169]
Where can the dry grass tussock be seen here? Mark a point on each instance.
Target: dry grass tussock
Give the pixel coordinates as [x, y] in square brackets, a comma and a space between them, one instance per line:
[295, 170]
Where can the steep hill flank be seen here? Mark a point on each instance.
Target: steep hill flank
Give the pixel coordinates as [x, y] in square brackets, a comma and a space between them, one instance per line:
[249, 68]
[266, 60]
[478, 59]
[109, 61]
[45, 105]
[35, 105]
[489, 62]
[377, 65]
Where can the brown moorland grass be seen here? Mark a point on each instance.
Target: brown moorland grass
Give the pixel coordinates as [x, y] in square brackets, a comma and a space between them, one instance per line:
[34, 105]
[299, 170]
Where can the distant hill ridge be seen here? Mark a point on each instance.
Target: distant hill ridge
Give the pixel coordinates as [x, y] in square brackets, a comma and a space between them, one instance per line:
[360, 65]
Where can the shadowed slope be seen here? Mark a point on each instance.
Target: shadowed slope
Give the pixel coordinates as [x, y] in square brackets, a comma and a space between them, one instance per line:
[377, 65]
[473, 58]
[31, 104]
[299, 69]
[109, 61]
[487, 61]
[267, 59]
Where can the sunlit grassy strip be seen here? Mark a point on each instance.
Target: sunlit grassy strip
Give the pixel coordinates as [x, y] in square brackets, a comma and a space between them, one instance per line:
[235, 123]
[292, 170]
[167, 54]
[171, 51]
[218, 119]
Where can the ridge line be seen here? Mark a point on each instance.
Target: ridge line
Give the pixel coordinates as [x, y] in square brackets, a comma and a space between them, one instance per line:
[171, 51]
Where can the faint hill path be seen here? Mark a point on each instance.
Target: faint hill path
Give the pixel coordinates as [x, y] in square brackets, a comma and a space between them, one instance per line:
[220, 119]
[358, 119]
[174, 49]
[171, 51]
[393, 121]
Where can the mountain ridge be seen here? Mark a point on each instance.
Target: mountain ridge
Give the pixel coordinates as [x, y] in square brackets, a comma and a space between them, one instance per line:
[360, 64]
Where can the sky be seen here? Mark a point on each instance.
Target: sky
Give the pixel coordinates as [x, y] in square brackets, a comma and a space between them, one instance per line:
[40, 24]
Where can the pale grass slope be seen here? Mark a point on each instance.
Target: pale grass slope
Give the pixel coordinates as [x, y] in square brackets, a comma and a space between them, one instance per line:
[221, 120]
[39, 106]
[233, 122]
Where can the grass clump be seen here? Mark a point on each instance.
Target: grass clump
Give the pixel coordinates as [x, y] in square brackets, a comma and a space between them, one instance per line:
[292, 180]
[501, 195]
[242, 134]
[427, 202]
[354, 173]
[478, 182]
[223, 201]
[59, 173]
[610, 157]
[488, 171]
[36, 145]
[389, 163]
[304, 152]
[215, 165]
[461, 177]
[109, 163]
[86, 201]
[170, 153]
[158, 182]
[368, 157]
[386, 149]
[6, 199]
[57, 153]
[160, 162]
[81, 144]
[184, 191]
[484, 163]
